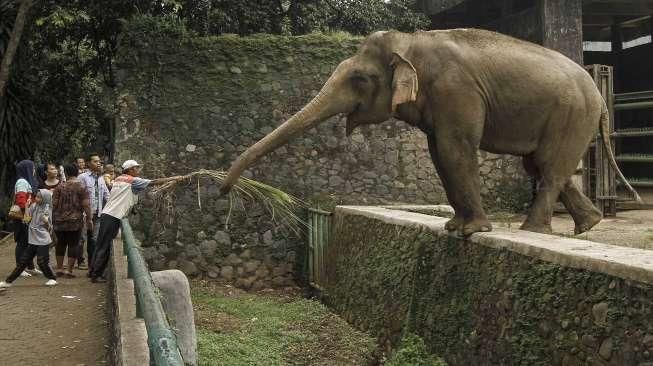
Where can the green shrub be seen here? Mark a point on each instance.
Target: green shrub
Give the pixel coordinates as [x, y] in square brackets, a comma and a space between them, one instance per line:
[412, 351]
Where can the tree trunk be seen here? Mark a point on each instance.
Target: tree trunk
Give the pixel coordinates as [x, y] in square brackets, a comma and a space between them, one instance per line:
[14, 40]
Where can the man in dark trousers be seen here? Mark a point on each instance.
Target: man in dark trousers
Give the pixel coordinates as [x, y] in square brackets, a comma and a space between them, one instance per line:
[123, 196]
[98, 193]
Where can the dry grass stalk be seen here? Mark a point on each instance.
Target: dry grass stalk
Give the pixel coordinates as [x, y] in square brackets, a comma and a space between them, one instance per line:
[281, 205]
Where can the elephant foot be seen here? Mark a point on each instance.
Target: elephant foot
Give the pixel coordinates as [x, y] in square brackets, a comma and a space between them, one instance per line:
[476, 225]
[468, 227]
[454, 224]
[587, 221]
[536, 228]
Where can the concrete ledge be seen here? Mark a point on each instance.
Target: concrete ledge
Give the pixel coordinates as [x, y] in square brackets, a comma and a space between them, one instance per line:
[498, 298]
[623, 262]
[130, 335]
[439, 210]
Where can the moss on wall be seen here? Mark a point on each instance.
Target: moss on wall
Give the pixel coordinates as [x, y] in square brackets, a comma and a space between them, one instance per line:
[475, 305]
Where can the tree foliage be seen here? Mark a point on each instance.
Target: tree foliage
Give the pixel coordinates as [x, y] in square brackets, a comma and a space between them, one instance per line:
[305, 16]
[54, 106]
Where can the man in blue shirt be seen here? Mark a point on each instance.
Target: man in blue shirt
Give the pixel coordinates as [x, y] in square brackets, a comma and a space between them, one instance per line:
[98, 194]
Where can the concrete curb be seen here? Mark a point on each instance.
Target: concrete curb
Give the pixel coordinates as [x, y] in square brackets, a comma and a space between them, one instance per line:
[623, 262]
[129, 333]
[178, 306]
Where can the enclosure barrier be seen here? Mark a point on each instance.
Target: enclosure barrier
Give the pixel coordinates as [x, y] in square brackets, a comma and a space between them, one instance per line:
[505, 297]
[161, 340]
[635, 101]
[319, 225]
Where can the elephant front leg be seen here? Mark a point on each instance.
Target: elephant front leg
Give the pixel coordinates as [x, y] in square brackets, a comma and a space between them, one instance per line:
[456, 222]
[457, 146]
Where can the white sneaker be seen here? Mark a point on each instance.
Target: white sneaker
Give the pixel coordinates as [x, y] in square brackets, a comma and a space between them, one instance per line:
[35, 272]
[4, 284]
[25, 274]
[51, 283]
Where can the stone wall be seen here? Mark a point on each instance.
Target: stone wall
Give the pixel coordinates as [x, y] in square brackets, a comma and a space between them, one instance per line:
[186, 103]
[499, 298]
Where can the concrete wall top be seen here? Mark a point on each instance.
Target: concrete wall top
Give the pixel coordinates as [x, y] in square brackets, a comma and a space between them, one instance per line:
[627, 263]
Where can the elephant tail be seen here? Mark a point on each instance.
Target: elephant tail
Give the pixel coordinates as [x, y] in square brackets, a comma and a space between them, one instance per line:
[605, 135]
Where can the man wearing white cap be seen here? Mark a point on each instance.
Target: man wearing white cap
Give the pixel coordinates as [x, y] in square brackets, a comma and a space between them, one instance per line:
[123, 196]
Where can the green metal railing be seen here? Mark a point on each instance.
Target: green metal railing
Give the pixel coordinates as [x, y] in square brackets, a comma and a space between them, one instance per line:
[160, 338]
[636, 100]
[319, 230]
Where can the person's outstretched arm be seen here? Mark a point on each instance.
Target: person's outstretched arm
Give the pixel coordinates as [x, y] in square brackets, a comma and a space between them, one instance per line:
[139, 184]
[159, 181]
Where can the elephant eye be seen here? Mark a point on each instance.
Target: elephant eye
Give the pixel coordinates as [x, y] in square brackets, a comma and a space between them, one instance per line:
[359, 78]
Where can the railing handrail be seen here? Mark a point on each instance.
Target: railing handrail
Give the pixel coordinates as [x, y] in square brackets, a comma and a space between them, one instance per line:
[627, 97]
[317, 210]
[161, 340]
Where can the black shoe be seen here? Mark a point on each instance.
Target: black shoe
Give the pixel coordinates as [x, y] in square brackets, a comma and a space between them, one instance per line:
[98, 280]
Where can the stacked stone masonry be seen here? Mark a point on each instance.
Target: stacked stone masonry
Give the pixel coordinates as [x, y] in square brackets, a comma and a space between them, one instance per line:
[499, 298]
[185, 103]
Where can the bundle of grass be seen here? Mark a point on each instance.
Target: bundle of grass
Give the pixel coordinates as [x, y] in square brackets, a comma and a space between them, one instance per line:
[282, 206]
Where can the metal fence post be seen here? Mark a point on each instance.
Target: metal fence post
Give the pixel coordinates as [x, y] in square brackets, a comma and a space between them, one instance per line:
[318, 240]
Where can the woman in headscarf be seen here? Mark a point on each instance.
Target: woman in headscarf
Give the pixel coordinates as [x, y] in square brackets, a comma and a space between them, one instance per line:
[39, 229]
[26, 186]
[39, 239]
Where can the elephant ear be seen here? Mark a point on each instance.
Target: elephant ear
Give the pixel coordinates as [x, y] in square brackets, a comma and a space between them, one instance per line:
[404, 81]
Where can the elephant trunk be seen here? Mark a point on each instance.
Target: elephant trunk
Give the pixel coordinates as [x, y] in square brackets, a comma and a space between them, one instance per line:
[324, 105]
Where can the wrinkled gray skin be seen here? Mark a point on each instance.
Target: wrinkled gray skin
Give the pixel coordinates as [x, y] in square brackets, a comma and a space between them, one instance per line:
[467, 89]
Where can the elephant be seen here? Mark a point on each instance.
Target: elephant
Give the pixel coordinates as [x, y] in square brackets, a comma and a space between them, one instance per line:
[468, 89]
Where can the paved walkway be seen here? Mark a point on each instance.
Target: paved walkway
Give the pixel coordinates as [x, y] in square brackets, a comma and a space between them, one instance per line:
[62, 325]
[629, 228]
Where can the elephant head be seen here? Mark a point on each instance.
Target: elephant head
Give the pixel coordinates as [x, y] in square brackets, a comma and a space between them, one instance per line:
[367, 87]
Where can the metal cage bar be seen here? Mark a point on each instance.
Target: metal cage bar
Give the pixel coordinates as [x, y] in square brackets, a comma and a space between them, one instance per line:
[318, 241]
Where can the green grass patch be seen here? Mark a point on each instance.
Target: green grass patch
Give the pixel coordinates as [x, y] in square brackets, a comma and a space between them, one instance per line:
[239, 328]
[412, 351]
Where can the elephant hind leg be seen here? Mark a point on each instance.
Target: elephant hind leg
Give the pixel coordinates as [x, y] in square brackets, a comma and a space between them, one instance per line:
[584, 213]
[581, 209]
[539, 218]
[556, 160]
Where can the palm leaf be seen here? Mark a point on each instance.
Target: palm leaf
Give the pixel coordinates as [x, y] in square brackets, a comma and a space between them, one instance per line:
[282, 206]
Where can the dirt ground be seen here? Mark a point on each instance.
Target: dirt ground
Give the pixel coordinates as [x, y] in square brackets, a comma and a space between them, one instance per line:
[629, 228]
[62, 325]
